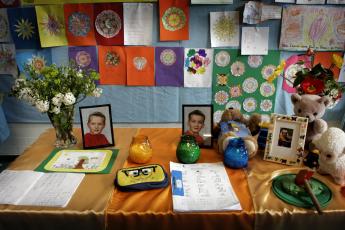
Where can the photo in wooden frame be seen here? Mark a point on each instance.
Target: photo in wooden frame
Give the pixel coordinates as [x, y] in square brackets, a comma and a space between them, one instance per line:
[197, 120]
[285, 139]
[96, 126]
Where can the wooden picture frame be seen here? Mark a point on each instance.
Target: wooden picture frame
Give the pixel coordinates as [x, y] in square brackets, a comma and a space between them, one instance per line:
[285, 139]
[205, 137]
[94, 135]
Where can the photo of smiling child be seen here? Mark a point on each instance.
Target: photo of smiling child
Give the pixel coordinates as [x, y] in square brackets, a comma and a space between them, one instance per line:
[196, 122]
[96, 124]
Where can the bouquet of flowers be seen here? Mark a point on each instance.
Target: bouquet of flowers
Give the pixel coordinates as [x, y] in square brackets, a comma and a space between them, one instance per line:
[55, 90]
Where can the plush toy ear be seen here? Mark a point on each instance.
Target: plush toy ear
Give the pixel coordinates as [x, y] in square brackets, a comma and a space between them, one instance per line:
[295, 98]
[324, 100]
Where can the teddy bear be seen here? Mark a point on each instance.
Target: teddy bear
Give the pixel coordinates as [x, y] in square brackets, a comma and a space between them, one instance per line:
[233, 124]
[313, 107]
[332, 154]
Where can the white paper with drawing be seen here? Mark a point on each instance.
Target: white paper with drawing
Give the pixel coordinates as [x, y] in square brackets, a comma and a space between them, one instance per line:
[138, 20]
[254, 40]
[310, 1]
[202, 187]
[323, 29]
[208, 2]
[256, 12]
[335, 1]
[224, 28]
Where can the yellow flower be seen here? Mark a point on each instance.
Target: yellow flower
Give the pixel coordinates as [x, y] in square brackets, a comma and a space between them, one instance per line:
[337, 60]
[276, 72]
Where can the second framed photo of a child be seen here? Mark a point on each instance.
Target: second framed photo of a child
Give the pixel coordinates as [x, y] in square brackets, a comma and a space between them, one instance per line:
[197, 121]
[96, 126]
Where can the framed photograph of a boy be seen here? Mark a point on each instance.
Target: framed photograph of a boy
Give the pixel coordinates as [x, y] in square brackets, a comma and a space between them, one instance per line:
[96, 126]
[285, 139]
[197, 121]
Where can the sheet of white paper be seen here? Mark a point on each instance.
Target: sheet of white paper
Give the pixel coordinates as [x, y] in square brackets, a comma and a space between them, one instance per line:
[15, 184]
[252, 12]
[224, 28]
[53, 189]
[310, 1]
[254, 40]
[342, 72]
[285, 1]
[211, 2]
[270, 12]
[138, 20]
[335, 1]
[202, 187]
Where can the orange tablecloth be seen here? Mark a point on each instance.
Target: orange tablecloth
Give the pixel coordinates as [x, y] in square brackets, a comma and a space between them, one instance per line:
[87, 207]
[152, 209]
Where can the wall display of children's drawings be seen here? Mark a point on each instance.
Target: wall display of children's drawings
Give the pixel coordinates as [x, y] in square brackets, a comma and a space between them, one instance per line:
[51, 25]
[310, 2]
[323, 29]
[173, 20]
[8, 59]
[169, 66]
[84, 56]
[5, 35]
[109, 23]
[112, 65]
[23, 27]
[138, 21]
[254, 40]
[240, 82]
[213, 2]
[140, 66]
[335, 1]
[38, 59]
[292, 65]
[342, 72]
[198, 67]
[80, 29]
[224, 28]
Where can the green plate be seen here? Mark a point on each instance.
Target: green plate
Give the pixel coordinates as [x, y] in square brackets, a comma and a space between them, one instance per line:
[324, 197]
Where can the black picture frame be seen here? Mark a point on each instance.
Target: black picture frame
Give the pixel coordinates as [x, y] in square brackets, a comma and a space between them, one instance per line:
[90, 140]
[206, 131]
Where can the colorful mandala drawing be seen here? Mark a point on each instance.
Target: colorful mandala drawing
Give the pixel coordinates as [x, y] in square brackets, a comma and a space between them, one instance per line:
[217, 116]
[174, 19]
[83, 58]
[7, 2]
[255, 61]
[250, 85]
[233, 104]
[3, 27]
[37, 62]
[224, 28]
[290, 73]
[222, 58]
[168, 57]
[79, 24]
[267, 89]
[235, 91]
[237, 68]
[139, 63]
[221, 97]
[222, 79]
[108, 23]
[112, 58]
[51, 25]
[24, 29]
[196, 62]
[266, 105]
[249, 104]
[7, 59]
[267, 71]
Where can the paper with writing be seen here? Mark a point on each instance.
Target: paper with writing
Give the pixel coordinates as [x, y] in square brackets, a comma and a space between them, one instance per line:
[254, 40]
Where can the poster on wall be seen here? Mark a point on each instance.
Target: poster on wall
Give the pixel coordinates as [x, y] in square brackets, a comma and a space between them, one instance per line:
[323, 29]
[169, 66]
[84, 56]
[173, 20]
[80, 29]
[112, 65]
[240, 82]
[224, 28]
[138, 20]
[140, 66]
[23, 27]
[208, 2]
[108, 23]
[38, 59]
[5, 35]
[254, 40]
[8, 59]
[51, 25]
[198, 66]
